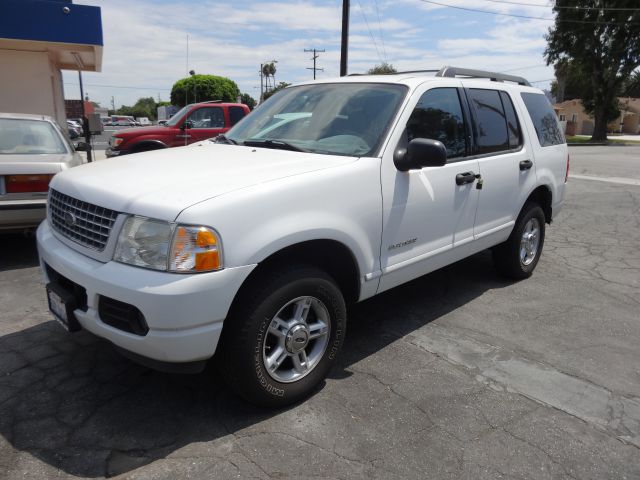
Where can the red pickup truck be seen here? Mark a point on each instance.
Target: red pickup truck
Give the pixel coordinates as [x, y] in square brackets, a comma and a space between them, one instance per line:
[192, 123]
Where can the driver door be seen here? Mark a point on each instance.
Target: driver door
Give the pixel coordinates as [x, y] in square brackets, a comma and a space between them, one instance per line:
[428, 217]
[206, 122]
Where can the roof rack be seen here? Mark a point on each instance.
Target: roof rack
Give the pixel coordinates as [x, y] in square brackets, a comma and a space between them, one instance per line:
[493, 76]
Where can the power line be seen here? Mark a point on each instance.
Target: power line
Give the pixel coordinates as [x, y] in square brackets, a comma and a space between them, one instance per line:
[524, 16]
[375, 44]
[384, 49]
[569, 8]
[118, 86]
[523, 68]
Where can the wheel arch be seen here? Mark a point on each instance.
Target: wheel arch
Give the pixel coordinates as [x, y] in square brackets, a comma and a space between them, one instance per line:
[542, 196]
[332, 256]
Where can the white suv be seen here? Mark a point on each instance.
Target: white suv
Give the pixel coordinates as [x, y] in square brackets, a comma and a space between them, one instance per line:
[250, 245]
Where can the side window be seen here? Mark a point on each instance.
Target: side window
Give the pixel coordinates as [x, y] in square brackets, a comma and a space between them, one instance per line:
[491, 123]
[235, 114]
[438, 116]
[513, 127]
[543, 118]
[207, 117]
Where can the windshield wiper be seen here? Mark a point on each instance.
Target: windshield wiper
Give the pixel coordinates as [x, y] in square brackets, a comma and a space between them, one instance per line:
[222, 138]
[277, 144]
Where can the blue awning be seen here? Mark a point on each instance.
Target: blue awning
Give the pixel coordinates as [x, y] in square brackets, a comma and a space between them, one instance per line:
[72, 32]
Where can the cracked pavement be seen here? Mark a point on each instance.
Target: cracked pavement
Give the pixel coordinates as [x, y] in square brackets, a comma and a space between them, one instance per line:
[458, 374]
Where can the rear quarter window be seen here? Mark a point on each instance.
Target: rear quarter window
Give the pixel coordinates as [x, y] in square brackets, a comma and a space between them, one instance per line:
[544, 119]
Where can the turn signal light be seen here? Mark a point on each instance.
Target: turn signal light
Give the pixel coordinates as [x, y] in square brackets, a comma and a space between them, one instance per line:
[27, 183]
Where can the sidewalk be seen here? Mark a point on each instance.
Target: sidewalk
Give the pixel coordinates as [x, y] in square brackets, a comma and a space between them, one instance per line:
[98, 155]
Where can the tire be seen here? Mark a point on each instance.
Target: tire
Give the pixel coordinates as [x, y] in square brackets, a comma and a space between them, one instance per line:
[294, 321]
[518, 256]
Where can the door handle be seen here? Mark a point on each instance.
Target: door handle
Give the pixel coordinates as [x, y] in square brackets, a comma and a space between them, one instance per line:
[526, 164]
[464, 178]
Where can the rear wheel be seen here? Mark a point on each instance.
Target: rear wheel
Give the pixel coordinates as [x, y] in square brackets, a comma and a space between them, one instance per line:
[283, 337]
[518, 256]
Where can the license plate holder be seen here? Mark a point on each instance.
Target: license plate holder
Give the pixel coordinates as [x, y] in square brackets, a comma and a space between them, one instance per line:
[62, 303]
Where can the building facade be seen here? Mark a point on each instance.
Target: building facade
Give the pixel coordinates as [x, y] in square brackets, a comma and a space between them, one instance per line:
[578, 122]
[39, 39]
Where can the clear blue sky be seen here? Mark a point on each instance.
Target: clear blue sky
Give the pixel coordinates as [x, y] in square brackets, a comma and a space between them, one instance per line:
[145, 41]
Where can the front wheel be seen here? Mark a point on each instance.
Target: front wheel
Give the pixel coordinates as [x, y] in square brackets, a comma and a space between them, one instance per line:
[283, 336]
[518, 256]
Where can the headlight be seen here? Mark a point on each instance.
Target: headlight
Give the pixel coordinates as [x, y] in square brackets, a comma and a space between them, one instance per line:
[116, 141]
[167, 246]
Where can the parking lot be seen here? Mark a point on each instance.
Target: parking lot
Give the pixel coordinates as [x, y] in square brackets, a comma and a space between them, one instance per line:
[459, 374]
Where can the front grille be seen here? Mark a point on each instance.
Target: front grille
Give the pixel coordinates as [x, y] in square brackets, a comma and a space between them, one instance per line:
[82, 222]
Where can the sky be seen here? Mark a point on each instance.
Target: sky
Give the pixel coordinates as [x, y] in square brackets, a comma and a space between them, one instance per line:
[145, 41]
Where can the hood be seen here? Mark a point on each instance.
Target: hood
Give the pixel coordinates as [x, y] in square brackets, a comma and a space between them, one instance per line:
[162, 183]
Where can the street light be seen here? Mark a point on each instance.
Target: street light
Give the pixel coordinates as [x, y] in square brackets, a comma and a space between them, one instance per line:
[195, 95]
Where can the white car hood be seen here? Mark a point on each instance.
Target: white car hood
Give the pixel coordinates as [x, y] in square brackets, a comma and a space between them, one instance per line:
[162, 183]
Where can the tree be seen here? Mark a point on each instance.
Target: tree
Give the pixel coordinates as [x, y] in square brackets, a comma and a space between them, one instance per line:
[144, 107]
[203, 88]
[269, 70]
[275, 89]
[570, 84]
[383, 69]
[632, 86]
[248, 100]
[603, 44]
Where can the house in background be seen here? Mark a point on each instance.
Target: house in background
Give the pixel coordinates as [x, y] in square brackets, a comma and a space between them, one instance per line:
[578, 122]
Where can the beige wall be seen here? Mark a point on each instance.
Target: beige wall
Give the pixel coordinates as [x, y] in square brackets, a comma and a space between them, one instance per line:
[30, 83]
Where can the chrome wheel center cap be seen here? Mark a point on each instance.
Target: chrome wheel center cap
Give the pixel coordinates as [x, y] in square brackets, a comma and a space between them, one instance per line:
[297, 338]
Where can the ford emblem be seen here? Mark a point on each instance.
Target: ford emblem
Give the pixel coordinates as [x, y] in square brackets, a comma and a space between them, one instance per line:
[69, 219]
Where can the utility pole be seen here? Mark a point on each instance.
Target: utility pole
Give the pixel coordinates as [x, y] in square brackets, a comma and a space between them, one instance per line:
[113, 104]
[344, 46]
[315, 55]
[261, 83]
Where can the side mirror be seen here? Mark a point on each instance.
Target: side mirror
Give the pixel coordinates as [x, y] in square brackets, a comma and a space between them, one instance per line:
[81, 147]
[420, 153]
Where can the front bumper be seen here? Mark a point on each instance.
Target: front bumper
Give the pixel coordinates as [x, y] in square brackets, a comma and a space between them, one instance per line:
[21, 214]
[110, 152]
[184, 313]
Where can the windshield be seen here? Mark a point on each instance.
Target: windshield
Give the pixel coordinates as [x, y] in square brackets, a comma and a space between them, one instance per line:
[20, 136]
[339, 118]
[176, 118]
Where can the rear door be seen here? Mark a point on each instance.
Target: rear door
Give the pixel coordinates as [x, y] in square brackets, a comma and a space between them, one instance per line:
[505, 160]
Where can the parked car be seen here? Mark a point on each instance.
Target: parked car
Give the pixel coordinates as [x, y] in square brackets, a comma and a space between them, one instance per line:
[250, 246]
[75, 130]
[193, 123]
[32, 150]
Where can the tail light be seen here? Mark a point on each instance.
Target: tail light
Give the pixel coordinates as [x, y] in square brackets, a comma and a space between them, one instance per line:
[27, 183]
[566, 176]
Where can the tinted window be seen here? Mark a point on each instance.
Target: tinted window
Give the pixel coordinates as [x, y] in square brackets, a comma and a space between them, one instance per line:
[207, 117]
[235, 114]
[438, 116]
[543, 118]
[491, 123]
[513, 127]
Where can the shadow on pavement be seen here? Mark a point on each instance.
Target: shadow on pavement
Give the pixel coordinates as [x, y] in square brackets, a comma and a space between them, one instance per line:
[71, 401]
[18, 251]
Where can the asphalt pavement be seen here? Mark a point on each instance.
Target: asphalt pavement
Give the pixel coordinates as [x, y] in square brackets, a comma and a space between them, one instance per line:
[459, 374]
